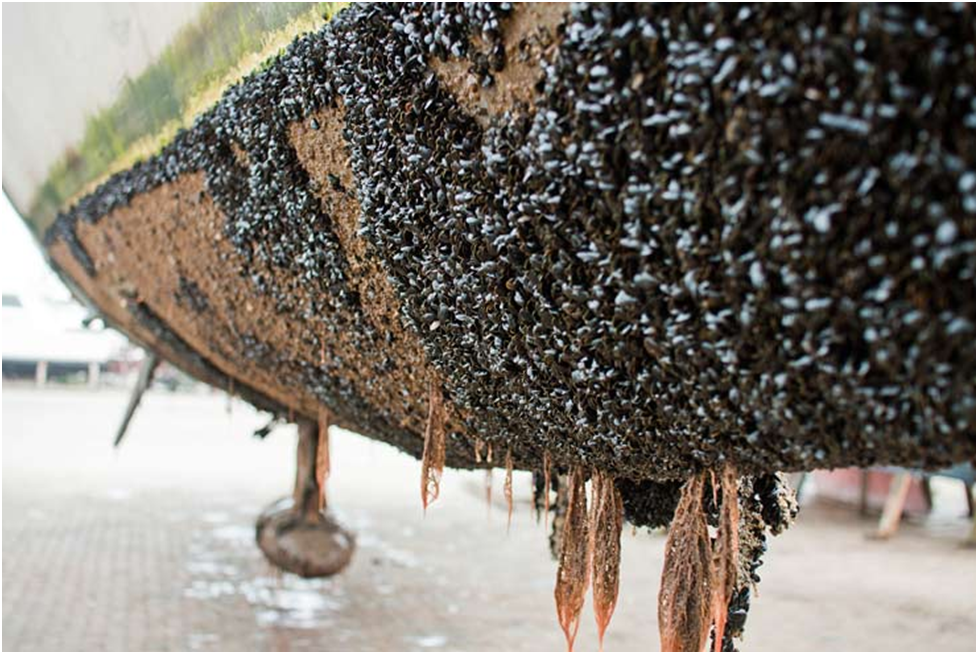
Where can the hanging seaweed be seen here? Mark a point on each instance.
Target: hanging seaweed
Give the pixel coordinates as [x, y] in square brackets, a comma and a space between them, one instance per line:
[766, 504]
[687, 575]
[727, 548]
[433, 459]
[573, 573]
[606, 523]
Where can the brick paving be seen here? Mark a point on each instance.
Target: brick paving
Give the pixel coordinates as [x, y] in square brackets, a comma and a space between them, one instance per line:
[151, 548]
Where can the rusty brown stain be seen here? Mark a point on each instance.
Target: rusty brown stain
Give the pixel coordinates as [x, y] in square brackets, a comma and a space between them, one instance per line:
[529, 35]
[240, 156]
[182, 221]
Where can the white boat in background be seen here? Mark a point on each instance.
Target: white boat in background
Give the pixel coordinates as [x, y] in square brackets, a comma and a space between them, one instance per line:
[44, 336]
[47, 333]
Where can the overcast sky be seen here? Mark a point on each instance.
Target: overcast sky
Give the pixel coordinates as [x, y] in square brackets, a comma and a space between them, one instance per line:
[22, 265]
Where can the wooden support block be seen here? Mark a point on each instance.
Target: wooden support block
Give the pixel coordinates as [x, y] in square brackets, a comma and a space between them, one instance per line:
[893, 509]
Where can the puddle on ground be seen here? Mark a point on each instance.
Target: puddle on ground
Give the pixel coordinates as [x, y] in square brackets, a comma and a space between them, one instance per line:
[429, 641]
[223, 551]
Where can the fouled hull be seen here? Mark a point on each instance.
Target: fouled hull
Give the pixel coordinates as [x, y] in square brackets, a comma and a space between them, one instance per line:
[646, 239]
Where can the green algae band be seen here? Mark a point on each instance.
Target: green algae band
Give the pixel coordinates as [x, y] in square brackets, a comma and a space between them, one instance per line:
[648, 239]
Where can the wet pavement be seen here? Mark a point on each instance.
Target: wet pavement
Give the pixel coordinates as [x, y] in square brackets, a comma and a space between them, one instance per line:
[151, 547]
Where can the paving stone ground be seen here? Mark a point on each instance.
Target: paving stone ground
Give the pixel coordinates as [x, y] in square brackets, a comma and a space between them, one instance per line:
[151, 548]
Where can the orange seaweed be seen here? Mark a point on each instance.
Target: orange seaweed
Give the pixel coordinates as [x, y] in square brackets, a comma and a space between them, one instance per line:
[727, 552]
[607, 515]
[433, 459]
[573, 571]
[686, 592]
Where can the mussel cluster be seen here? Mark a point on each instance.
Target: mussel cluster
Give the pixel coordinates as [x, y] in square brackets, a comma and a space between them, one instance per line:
[718, 232]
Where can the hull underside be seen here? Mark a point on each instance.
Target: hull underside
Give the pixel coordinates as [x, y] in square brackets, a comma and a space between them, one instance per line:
[647, 239]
